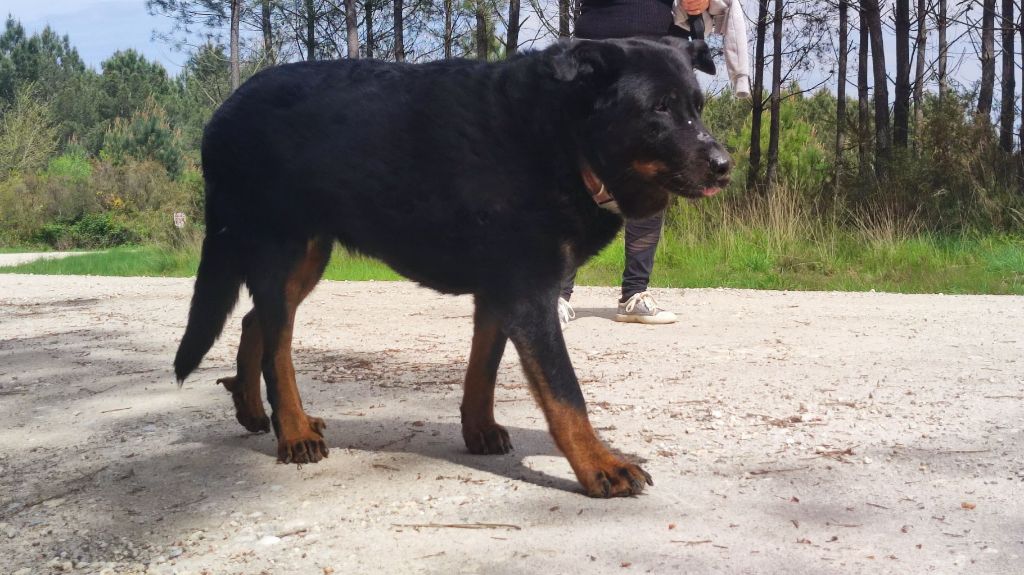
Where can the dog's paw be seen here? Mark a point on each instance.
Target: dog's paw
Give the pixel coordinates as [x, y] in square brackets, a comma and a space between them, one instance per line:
[486, 439]
[248, 411]
[307, 446]
[615, 479]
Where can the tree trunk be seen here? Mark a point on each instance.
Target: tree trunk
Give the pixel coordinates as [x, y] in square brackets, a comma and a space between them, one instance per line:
[901, 104]
[371, 41]
[883, 142]
[757, 96]
[482, 35]
[988, 60]
[942, 24]
[1007, 114]
[563, 19]
[863, 99]
[352, 29]
[268, 32]
[399, 32]
[512, 38]
[922, 45]
[772, 171]
[1020, 135]
[844, 46]
[236, 15]
[448, 29]
[310, 31]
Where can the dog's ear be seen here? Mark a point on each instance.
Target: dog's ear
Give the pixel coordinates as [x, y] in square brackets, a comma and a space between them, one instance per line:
[591, 61]
[700, 57]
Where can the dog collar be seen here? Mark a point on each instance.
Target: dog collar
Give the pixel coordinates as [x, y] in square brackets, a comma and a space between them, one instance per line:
[599, 192]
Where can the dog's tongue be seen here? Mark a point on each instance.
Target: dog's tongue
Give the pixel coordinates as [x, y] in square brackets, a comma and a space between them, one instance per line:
[708, 192]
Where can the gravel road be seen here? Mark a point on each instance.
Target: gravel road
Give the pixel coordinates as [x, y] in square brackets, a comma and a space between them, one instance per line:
[786, 433]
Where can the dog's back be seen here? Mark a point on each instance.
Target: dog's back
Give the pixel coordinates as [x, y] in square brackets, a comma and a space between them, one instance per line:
[413, 164]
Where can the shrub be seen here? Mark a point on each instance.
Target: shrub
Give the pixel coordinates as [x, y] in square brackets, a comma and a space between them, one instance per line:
[98, 230]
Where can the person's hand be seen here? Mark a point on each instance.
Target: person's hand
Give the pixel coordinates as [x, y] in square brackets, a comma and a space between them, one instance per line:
[695, 7]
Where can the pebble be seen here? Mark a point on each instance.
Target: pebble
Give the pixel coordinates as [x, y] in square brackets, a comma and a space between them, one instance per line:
[174, 552]
[269, 540]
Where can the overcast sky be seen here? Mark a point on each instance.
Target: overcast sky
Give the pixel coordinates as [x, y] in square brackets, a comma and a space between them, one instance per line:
[97, 28]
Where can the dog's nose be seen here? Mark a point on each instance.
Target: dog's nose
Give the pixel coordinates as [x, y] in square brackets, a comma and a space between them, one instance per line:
[720, 163]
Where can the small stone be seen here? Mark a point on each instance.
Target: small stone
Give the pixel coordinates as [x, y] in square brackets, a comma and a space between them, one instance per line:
[269, 540]
[51, 503]
[174, 552]
[868, 460]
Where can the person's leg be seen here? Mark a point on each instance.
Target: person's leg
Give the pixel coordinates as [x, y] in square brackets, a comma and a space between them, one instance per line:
[642, 237]
[565, 311]
[637, 305]
[568, 284]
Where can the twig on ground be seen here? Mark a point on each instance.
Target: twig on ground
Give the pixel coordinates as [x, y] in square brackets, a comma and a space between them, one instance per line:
[767, 471]
[75, 489]
[459, 526]
[700, 542]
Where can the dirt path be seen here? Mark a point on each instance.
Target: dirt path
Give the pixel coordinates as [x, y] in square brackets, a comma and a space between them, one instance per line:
[786, 432]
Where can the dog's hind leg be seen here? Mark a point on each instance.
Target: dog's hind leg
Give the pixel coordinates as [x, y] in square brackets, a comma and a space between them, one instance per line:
[479, 430]
[533, 326]
[276, 297]
[245, 385]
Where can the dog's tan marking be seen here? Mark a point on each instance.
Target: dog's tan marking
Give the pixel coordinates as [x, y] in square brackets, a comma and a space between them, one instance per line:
[601, 473]
[479, 430]
[649, 169]
[300, 436]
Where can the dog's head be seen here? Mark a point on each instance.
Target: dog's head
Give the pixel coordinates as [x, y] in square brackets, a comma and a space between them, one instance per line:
[642, 134]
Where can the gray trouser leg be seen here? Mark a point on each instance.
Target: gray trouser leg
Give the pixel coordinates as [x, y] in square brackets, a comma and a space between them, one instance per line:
[642, 237]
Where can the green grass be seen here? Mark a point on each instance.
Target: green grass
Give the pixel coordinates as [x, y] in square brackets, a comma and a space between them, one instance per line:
[152, 261]
[762, 249]
[922, 264]
[124, 261]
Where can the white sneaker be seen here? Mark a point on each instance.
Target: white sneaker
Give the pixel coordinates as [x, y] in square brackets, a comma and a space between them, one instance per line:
[565, 312]
[642, 308]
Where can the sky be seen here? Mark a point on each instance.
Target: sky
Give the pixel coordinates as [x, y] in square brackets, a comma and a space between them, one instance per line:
[98, 28]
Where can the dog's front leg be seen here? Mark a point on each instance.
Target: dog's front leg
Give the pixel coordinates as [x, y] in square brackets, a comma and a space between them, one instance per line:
[534, 329]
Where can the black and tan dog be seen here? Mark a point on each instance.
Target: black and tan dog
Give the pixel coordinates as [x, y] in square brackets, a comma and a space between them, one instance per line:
[466, 177]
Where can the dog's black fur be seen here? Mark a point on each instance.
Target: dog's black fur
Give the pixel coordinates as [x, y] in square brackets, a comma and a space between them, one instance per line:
[466, 177]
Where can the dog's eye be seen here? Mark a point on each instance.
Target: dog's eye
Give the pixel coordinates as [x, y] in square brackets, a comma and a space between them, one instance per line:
[664, 105]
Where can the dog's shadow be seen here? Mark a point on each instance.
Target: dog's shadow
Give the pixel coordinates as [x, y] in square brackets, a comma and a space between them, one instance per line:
[432, 440]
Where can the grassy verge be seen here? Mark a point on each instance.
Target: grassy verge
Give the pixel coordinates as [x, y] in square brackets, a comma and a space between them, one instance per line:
[923, 264]
[124, 261]
[774, 243]
[149, 261]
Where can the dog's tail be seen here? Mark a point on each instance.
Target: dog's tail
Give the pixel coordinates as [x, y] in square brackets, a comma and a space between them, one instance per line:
[216, 292]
